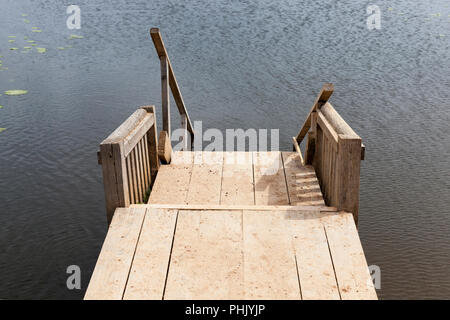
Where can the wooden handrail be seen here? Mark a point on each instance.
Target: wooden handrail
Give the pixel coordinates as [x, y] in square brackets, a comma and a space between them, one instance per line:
[335, 151]
[322, 98]
[167, 74]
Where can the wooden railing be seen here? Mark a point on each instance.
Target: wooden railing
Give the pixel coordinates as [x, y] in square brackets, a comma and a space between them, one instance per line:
[335, 151]
[129, 160]
[168, 80]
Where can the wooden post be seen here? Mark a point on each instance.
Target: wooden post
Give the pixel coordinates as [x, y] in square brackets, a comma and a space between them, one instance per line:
[185, 132]
[346, 187]
[311, 140]
[115, 181]
[165, 94]
[164, 147]
[152, 139]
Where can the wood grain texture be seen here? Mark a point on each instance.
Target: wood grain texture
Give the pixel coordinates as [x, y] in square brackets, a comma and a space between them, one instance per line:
[164, 147]
[302, 183]
[270, 182]
[350, 264]
[148, 272]
[237, 179]
[207, 257]
[113, 265]
[315, 267]
[205, 184]
[172, 182]
[270, 270]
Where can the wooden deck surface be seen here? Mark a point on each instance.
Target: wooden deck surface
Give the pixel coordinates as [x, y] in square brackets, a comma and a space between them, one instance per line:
[232, 226]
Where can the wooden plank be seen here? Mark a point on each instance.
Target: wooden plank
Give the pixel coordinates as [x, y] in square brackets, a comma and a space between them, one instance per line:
[336, 121]
[113, 265]
[327, 128]
[186, 136]
[176, 93]
[137, 171]
[126, 127]
[270, 270]
[237, 179]
[270, 183]
[315, 267]
[164, 147]
[172, 182]
[135, 134]
[131, 191]
[302, 183]
[207, 258]
[165, 95]
[209, 207]
[109, 180]
[350, 264]
[205, 184]
[148, 272]
[322, 98]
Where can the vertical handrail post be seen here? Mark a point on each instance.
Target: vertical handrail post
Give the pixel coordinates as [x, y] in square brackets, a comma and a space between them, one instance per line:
[165, 94]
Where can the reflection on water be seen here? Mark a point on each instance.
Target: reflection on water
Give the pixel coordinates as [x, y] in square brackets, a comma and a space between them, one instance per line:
[240, 65]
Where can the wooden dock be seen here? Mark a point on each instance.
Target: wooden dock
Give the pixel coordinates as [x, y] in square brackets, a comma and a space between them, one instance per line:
[230, 225]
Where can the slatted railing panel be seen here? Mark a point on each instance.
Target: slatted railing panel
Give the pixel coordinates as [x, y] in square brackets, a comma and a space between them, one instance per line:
[129, 159]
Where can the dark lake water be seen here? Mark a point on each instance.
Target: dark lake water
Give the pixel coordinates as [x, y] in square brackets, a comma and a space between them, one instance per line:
[250, 64]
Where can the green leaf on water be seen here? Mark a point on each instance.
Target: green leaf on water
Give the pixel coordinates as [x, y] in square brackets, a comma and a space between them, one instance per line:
[15, 92]
[61, 48]
[41, 50]
[26, 20]
[11, 36]
[74, 36]
[24, 15]
[36, 30]
[1, 107]
[13, 48]
[2, 129]
[11, 41]
[31, 41]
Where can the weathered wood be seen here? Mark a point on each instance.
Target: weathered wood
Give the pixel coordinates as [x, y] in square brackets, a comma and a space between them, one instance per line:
[164, 147]
[186, 136]
[310, 149]
[165, 95]
[113, 265]
[322, 98]
[176, 93]
[270, 182]
[327, 128]
[302, 184]
[237, 179]
[207, 257]
[336, 121]
[208, 207]
[349, 262]
[172, 183]
[136, 134]
[205, 184]
[347, 173]
[297, 149]
[270, 270]
[152, 146]
[148, 272]
[314, 263]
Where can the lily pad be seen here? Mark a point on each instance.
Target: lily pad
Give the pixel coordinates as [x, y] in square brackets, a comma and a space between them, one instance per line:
[31, 41]
[74, 36]
[1, 107]
[15, 92]
[2, 129]
[26, 20]
[13, 48]
[11, 41]
[24, 15]
[11, 36]
[27, 48]
[36, 30]
[41, 50]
